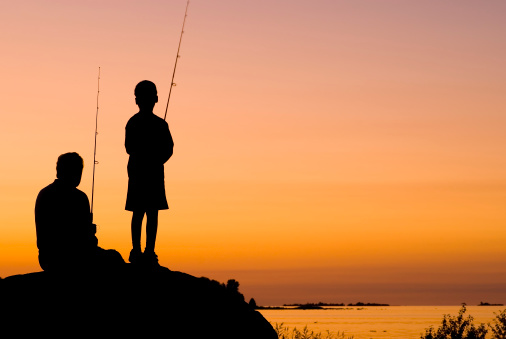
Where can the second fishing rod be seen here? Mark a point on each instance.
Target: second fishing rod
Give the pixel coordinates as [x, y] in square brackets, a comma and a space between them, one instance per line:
[95, 162]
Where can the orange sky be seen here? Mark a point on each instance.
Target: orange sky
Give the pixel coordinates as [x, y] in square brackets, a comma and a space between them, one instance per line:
[324, 150]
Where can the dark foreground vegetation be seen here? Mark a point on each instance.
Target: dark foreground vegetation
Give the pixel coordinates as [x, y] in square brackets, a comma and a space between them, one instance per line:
[285, 332]
[452, 327]
[462, 327]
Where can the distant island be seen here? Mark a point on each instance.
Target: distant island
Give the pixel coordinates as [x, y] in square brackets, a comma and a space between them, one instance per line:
[368, 304]
[321, 304]
[489, 304]
[311, 306]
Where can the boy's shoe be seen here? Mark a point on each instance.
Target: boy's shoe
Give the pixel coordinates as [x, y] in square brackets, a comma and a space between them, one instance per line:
[150, 258]
[135, 256]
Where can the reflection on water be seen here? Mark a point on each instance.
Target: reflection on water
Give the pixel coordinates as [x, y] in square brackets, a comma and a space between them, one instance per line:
[376, 322]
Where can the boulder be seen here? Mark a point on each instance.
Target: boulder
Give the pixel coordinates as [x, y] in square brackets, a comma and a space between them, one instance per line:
[126, 302]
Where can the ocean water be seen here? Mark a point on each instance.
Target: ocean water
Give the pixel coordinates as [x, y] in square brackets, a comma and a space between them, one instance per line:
[376, 322]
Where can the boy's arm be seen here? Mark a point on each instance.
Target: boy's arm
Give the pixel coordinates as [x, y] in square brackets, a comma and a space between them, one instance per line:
[168, 150]
[132, 140]
[128, 142]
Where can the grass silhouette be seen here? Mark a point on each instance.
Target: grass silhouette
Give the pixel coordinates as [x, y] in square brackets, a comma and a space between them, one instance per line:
[284, 332]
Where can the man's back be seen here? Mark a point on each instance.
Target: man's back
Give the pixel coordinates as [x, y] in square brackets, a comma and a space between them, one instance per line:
[63, 224]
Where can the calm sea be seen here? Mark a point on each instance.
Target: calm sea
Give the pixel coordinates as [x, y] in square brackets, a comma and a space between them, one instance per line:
[376, 322]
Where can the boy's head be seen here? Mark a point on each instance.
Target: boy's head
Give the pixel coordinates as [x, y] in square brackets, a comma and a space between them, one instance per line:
[146, 95]
[69, 168]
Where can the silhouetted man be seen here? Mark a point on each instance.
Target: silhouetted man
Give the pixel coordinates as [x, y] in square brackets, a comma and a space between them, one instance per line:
[149, 143]
[65, 232]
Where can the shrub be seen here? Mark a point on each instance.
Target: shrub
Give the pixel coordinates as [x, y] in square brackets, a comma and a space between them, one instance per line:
[458, 327]
[498, 326]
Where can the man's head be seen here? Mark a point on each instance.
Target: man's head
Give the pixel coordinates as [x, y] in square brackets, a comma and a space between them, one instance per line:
[146, 95]
[69, 168]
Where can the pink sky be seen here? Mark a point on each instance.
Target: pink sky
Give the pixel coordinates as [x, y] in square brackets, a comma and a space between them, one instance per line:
[324, 150]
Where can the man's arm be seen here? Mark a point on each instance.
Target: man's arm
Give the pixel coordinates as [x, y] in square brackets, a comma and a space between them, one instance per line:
[41, 224]
[89, 227]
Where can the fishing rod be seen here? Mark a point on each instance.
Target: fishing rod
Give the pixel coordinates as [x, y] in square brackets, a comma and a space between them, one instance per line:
[95, 162]
[172, 84]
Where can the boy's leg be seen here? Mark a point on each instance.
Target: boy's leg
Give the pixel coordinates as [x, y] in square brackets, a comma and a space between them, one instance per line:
[137, 217]
[151, 229]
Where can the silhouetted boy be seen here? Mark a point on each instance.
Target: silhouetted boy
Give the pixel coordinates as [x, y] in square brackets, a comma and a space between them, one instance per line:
[149, 143]
[65, 232]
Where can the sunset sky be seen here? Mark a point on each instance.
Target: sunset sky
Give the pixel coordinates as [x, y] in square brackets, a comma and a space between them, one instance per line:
[325, 150]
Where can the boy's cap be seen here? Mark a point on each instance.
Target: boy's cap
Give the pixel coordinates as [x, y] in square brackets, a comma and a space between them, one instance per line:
[145, 88]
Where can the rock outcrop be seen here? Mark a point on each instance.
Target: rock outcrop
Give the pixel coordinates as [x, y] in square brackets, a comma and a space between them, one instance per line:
[129, 302]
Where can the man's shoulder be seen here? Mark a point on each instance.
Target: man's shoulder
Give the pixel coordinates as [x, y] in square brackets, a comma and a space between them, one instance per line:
[47, 190]
[81, 193]
[45, 196]
[57, 189]
[78, 194]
